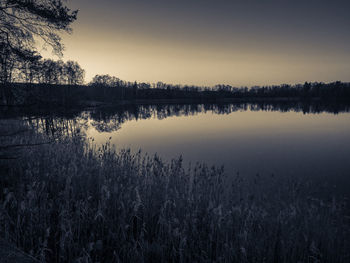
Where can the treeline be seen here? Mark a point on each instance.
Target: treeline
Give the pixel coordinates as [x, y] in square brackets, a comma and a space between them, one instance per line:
[45, 81]
[58, 83]
[37, 80]
[43, 71]
[142, 92]
[160, 90]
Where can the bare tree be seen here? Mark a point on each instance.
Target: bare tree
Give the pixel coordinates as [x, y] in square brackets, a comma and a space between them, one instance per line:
[106, 81]
[74, 73]
[22, 23]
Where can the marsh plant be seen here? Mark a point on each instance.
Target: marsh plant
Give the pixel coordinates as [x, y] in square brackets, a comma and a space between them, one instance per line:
[71, 201]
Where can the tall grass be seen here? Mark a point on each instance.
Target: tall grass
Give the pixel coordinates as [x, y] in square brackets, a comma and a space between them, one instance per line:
[70, 201]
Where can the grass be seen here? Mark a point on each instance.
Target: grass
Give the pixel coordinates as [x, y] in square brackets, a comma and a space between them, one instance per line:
[69, 201]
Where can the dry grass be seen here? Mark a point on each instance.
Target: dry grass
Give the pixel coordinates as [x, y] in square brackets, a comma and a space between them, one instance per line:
[71, 202]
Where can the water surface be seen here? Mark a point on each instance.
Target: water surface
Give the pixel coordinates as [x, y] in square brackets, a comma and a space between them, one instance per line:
[284, 139]
[248, 141]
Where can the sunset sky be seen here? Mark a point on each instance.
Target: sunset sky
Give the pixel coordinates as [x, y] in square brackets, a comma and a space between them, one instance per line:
[210, 42]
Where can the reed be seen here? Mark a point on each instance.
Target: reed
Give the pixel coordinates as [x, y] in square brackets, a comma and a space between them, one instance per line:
[71, 201]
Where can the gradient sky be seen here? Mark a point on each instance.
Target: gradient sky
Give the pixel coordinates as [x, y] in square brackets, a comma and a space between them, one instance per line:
[210, 42]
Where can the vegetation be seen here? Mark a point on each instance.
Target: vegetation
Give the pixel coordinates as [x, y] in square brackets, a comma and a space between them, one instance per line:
[23, 26]
[65, 94]
[48, 71]
[69, 201]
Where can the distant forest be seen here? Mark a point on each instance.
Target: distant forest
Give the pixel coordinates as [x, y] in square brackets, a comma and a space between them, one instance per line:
[62, 83]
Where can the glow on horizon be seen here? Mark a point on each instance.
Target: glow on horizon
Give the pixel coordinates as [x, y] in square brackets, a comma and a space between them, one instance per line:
[134, 44]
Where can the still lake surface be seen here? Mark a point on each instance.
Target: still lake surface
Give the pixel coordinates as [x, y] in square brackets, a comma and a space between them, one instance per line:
[292, 140]
[246, 139]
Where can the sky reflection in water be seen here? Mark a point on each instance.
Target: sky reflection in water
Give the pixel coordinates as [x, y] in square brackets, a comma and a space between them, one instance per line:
[265, 142]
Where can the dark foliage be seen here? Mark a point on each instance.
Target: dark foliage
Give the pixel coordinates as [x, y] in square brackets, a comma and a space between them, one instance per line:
[75, 95]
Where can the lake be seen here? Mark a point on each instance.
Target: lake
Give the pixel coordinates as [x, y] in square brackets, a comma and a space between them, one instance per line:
[281, 139]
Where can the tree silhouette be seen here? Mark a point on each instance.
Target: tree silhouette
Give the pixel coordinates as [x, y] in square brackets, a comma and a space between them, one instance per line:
[74, 73]
[23, 20]
[50, 71]
[105, 81]
[22, 23]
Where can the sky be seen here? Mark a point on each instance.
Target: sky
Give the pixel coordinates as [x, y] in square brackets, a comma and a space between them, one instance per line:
[207, 42]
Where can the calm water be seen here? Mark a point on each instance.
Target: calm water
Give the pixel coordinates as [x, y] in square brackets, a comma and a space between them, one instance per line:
[246, 141]
[280, 139]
